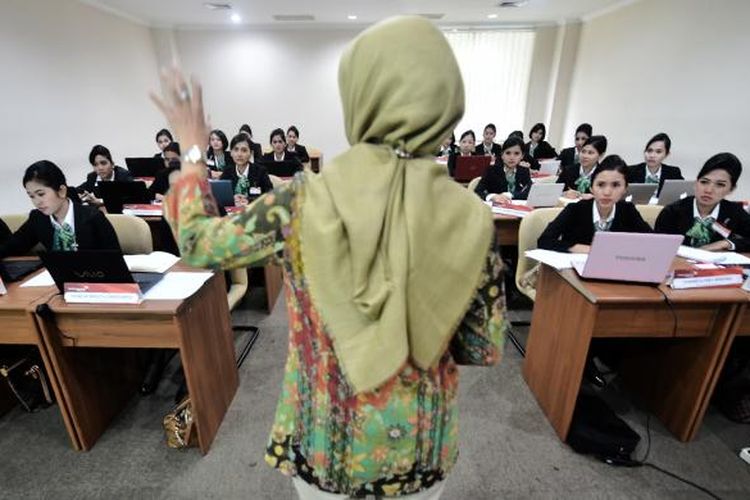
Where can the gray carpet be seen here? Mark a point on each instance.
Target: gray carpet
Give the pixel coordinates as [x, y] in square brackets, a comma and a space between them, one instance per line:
[508, 450]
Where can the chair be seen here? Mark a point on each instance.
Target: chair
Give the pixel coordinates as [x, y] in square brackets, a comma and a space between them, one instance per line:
[473, 184]
[133, 233]
[15, 221]
[649, 213]
[529, 231]
[238, 284]
[276, 180]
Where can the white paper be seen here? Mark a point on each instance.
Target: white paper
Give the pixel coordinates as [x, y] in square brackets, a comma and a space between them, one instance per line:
[727, 258]
[558, 260]
[177, 286]
[155, 262]
[42, 279]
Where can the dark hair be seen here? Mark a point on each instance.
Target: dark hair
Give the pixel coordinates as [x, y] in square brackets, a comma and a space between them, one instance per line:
[453, 139]
[513, 141]
[585, 128]
[174, 147]
[222, 137]
[537, 127]
[45, 173]
[279, 132]
[241, 137]
[294, 129]
[468, 132]
[491, 126]
[598, 142]
[516, 133]
[245, 128]
[723, 161]
[660, 137]
[611, 163]
[164, 132]
[99, 150]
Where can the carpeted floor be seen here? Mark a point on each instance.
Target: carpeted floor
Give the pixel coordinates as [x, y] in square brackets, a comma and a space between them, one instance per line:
[508, 449]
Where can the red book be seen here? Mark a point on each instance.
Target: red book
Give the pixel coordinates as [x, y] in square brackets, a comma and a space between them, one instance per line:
[143, 210]
[233, 210]
[707, 275]
[102, 293]
[511, 209]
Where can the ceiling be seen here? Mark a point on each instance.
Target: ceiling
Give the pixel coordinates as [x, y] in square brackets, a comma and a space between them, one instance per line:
[333, 13]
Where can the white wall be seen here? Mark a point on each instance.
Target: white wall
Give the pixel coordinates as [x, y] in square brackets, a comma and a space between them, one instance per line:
[72, 77]
[678, 66]
[270, 79]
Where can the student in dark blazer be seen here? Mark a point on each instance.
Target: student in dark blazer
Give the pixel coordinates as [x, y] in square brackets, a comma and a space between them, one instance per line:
[279, 151]
[707, 220]
[573, 230]
[104, 171]
[528, 161]
[249, 180]
[255, 147]
[465, 148]
[218, 157]
[163, 138]
[570, 156]
[56, 222]
[448, 147]
[5, 232]
[506, 179]
[172, 160]
[577, 178]
[488, 146]
[292, 136]
[537, 147]
[653, 170]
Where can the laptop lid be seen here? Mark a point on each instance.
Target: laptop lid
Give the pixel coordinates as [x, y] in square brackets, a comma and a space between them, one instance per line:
[116, 194]
[144, 167]
[549, 167]
[641, 194]
[13, 270]
[544, 195]
[286, 168]
[223, 192]
[634, 257]
[469, 167]
[674, 190]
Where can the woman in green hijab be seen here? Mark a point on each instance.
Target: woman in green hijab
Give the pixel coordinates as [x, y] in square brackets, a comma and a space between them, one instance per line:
[390, 275]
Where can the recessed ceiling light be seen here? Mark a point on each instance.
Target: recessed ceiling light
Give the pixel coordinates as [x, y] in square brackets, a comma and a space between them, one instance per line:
[236, 18]
[217, 6]
[351, 17]
[491, 16]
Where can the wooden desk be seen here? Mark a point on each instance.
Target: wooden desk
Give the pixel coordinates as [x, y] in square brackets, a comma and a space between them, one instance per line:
[675, 378]
[19, 327]
[506, 229]
[97, 383]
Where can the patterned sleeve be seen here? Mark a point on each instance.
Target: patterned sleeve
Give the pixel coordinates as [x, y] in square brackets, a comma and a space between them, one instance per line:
[251, 237]
[479, 338]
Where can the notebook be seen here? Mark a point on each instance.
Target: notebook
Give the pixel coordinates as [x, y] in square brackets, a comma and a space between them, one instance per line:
[641, 194]
[674, 190]
[223, 192]
[144, 167]
[549, 167]
[544, 195]
[470, 167]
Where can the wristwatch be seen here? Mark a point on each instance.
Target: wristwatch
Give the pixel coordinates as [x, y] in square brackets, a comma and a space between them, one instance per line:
[194, 155]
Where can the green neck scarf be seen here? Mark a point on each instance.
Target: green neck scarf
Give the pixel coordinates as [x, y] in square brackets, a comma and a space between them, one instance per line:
[64, 239]
[700, 233]
[510, 177]
[392, 248]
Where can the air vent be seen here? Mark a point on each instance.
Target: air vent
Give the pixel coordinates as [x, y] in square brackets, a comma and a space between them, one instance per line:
[434, 17]
[293, 17]
[217, 6]
[512, 3]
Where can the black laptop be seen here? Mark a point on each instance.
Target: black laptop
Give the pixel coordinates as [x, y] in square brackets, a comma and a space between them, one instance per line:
[94, 266]
[286, 168]
[116, 194]
[144, 167]
[15, 270]
[223, 192]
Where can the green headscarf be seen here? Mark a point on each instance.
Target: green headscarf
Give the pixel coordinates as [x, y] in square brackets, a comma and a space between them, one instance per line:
[392, 247]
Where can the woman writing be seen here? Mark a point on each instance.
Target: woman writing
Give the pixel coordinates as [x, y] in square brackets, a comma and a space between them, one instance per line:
[506, 180]
[104, 171]
[383, 297]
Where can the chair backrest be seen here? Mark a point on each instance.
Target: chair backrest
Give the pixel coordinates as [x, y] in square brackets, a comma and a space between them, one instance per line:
[133, 233]
[649, 213]
[14, 221]
[473, 184]
[277, 181]
[529, 231]
[238, 283]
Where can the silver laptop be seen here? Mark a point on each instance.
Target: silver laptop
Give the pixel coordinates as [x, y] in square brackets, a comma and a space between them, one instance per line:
[674, 190]
[636, 257]
[641, 194]
[549, 167]
[544, 195]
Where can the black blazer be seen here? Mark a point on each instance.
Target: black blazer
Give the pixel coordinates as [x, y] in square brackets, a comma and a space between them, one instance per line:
[637, 174]
[575, 225]
[496, 149]
[570, 175]
[228, 161]
[93, 232]
[288, 156]
[301, 152]
[494, 181]
[121, 175]
[567, 157]
[161, 182]
[5, 232]
[533, 162]
[543, 151]
[256, 174]
[677, 218]
[452, 160]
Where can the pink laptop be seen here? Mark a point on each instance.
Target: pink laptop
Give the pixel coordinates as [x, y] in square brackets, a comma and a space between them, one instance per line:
[469, 167]
[636, 257]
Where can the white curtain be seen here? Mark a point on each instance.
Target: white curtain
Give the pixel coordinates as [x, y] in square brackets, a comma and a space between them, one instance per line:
[495, 66]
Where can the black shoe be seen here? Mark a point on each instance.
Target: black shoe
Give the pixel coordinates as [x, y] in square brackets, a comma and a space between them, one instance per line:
[593, 375]
[153, 375]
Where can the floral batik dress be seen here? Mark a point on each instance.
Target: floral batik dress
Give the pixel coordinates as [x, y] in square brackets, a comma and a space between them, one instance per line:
[395, 440]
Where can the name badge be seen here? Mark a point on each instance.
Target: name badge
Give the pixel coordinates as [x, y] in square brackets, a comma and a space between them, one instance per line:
[210, 163]
[254, 191]
[721, 230]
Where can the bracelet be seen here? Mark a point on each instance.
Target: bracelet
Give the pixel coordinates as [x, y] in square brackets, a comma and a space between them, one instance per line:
[194, 155]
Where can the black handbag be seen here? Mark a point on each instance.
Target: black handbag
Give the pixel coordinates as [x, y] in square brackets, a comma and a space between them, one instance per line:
[27, 381]
[596, 430]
